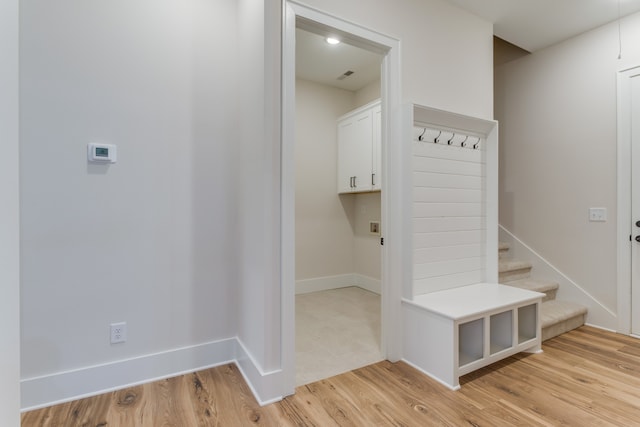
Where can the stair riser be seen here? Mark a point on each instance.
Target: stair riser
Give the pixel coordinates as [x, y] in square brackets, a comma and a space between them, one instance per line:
[549, 295]
[552, 312]
[562, 327]
[508, 276]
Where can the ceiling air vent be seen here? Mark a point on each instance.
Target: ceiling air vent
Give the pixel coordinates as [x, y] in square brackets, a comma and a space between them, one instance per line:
[345, 75]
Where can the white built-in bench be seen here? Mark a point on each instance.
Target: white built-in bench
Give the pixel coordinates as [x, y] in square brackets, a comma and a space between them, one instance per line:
[453, 332]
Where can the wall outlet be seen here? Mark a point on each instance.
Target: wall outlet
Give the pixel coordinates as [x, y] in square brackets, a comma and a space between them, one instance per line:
[598, 214]
[374, 227]
[118, 332]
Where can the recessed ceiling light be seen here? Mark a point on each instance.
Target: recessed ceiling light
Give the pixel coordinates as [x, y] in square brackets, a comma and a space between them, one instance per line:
[332, 40]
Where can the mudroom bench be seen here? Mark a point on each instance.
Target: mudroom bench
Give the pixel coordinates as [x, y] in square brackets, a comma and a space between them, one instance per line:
[453, 332]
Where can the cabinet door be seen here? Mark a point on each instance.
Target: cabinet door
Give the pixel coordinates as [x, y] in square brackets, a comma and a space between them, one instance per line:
[376, 170]
[362, 158]
[346, 149]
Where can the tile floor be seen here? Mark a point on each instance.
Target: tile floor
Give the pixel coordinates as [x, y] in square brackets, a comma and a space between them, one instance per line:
[336, 331]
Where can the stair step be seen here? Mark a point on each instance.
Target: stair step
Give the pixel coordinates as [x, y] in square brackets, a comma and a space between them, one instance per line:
[503, 248]
[558, 317]
[548, 288]
[510, 270]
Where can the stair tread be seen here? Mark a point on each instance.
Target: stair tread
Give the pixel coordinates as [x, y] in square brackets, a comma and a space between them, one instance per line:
[534, 285]
[503, 246]
[506, 265]
[552, 312]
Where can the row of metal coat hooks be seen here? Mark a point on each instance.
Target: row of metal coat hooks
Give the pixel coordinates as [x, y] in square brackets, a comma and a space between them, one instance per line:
[451, 138]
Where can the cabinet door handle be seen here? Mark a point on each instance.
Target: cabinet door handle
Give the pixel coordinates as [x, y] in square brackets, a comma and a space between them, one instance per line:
[354, 182]
[351, 181]
[373, 179]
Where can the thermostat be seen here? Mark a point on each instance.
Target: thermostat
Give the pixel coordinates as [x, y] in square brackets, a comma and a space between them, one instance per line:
[102, 153]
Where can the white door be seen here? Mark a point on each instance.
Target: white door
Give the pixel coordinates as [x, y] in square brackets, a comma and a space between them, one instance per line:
[635, 204]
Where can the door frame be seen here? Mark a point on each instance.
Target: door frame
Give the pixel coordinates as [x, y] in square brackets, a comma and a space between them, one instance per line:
[319, 22]
[624, 219]
[9, 215]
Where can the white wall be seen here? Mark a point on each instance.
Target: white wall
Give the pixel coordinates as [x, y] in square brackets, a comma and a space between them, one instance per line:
[9, 218]
[325, 221]
[557, 113]
[149, 240]
[332, 230]
[447, 60]
[367, 250]
[368, 94]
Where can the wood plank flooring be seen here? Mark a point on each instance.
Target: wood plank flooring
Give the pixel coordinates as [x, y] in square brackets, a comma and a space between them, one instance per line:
[586, 377]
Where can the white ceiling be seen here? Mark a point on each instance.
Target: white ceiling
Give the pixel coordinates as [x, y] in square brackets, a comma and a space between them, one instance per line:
[320, 62]
[535, 24]
[528, 24]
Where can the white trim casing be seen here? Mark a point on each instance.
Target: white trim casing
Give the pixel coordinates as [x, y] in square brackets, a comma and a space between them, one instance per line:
[9, 215]
[392, 258]
[624, 198]
[263, 385]
[288, 189]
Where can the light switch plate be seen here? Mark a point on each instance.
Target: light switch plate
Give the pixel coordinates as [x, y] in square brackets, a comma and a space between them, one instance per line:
[598, 214]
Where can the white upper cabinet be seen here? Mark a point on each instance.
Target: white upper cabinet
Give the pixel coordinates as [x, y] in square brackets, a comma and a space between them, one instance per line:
[359, 150]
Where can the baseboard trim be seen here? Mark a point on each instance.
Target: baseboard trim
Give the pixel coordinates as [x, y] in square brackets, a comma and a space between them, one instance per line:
[433, 377]
[327, 283]
[368, 283]
[265, 386]
[62, 387]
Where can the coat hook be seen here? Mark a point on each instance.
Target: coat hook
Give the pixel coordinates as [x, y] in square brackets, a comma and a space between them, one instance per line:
[449, 141]
[421, 135]
[436, 140]
[476, 144]
[464, 142]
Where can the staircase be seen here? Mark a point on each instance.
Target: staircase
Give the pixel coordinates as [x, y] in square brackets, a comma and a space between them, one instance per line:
[557, 317]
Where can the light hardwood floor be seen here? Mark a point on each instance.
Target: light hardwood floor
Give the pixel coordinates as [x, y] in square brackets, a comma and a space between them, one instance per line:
[586, 377]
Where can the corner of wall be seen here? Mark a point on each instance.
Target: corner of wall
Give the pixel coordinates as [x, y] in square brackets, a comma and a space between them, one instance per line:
[265, 386]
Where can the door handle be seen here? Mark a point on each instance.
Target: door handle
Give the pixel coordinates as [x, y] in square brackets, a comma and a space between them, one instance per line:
[638, 239]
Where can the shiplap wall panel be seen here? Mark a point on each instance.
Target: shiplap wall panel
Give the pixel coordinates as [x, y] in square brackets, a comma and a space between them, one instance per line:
[431, 210]
[443, 151]
[445, 253]
[438, 180]
[446, 166]
[448, 216]
[448, 238]
[448, 195]
[435, 269]
[434, 225]
[450, 281]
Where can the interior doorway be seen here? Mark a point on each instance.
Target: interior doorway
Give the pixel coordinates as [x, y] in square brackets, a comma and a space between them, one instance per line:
[310, 20]
[337, 207]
